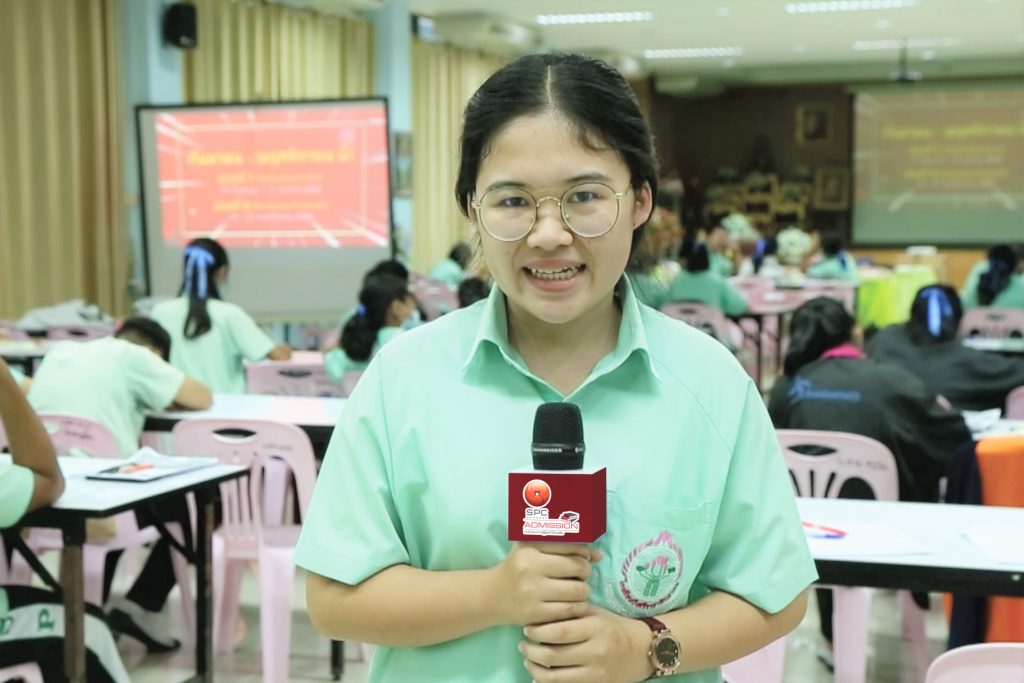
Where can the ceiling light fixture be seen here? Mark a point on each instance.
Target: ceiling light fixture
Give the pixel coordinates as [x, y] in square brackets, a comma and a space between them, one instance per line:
[694, 53]
[848, 6]
[913, 43]
[593, 18]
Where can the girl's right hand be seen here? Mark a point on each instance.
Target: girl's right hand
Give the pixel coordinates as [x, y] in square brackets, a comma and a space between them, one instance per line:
[540, 583]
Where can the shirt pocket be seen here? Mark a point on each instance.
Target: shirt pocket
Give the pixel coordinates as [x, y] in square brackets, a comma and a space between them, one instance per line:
[653, 553]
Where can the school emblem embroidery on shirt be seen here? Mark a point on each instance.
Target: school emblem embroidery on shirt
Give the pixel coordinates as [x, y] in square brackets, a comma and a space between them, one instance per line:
[652, 572]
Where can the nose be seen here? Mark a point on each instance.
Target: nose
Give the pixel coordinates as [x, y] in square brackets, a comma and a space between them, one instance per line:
[549, 231]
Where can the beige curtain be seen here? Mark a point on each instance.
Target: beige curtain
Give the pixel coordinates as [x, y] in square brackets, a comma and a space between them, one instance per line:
[62, 232]
[263, 52]
[444, 78]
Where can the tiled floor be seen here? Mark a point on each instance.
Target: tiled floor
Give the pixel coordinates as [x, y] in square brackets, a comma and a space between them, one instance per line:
[890, 661]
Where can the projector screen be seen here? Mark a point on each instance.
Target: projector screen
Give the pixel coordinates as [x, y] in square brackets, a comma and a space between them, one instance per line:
[297, 192]
[939, 166]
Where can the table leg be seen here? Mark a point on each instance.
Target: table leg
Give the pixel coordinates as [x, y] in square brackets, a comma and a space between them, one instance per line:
[204, 585]
[337, 659]
[74, 601]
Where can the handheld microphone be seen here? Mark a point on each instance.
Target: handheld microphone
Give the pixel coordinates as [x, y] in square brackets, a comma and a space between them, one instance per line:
[557, 500]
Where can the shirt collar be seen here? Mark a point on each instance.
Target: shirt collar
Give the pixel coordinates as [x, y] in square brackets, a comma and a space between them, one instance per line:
[492, 332]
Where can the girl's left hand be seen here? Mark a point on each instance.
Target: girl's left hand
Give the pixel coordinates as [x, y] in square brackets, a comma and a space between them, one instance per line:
[600, 646]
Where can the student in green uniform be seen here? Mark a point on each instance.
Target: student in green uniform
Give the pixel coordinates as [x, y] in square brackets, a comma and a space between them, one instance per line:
[471, 290]
[835, 264]
[385, 306]
[717, 241]
[640, 271]
[696, 282]
[452, 269]
[114, 381]
[406, 535]
[212, 338]
[998, 284]
[30, 617]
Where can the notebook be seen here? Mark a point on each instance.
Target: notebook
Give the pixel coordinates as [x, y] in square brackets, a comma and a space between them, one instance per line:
[148, 465]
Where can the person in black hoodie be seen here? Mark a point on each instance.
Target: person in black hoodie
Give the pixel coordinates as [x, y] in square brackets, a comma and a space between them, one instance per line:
[928, 347]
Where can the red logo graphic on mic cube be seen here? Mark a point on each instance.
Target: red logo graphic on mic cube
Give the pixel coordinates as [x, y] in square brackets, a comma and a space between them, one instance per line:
[556, 506]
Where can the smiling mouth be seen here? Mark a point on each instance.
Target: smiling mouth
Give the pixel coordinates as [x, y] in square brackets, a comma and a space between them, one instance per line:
[556, 274]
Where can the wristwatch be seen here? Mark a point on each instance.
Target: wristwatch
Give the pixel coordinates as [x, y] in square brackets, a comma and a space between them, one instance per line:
[665, 648]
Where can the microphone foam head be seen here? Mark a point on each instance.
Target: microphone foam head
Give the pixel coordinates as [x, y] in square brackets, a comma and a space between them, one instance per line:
[558, 437]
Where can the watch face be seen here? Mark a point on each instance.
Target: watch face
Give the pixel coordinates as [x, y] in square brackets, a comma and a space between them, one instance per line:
[667, 652]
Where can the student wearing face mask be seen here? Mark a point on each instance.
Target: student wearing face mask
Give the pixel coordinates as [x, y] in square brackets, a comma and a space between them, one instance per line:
[386, 308]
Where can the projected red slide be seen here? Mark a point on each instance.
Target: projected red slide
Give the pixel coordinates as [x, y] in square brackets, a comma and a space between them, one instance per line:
[297, 176]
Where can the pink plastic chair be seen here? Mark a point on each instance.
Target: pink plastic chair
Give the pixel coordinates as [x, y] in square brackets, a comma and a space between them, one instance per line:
[1015, 404]
[245, 536]
[28, 673]
[71, 432]
[823, 476]
[284, 378]
[997, 323]
[984, 663]
[436, 298]
[762, 666]
[83, 332]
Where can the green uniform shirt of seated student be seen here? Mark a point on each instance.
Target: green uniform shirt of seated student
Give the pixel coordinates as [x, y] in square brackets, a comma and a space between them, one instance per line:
[696, 282]
[115, 380]
[406, 534]
[452, 270]
[211, 338]
[836, 263]
[385, 308]
[998, 282]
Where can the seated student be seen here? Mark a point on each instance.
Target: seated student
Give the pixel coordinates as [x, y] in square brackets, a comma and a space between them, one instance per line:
[453, 268]
[471, 290]
[830, 385]
[928, 346]
[835, 264]
[697, 283]
[212, 338]
[385, 308]
[33, 481]
[997, 282]
[764, 262]
[385, 267]
[113, 381]
[641, 267]
[718, 242]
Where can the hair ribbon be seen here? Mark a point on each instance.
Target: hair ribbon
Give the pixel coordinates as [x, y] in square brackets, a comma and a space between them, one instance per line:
[197, 264]
[939, 308]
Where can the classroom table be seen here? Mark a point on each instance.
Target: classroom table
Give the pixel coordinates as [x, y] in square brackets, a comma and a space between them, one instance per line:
[25, 353]
[87, 499]
[944, 560]
[885, 299]
[1013, 345]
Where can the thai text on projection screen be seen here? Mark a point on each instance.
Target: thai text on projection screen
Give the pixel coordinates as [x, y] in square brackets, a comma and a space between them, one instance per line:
[939, 166]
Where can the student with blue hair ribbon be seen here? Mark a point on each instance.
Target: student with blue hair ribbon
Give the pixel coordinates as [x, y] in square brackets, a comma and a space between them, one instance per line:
[212, 338]
[697, 282]
[997, 281]
[836, 263]
[928, 345]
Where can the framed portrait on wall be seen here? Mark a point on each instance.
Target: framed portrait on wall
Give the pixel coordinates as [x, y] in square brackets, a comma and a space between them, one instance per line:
[401, 164]
[815, 123]
[832, 188]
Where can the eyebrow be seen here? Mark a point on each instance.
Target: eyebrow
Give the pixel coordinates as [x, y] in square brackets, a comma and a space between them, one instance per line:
[576, 179]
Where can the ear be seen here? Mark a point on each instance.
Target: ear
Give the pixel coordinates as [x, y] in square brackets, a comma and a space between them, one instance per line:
[643, 206]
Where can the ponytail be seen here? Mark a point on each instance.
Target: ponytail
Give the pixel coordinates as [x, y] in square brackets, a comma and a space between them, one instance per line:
[359, 335]
[203, 258]
[697, 260]
[817, 326]
[1002, 262]
[935, 315]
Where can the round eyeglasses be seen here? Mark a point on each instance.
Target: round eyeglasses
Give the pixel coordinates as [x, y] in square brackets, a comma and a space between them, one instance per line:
[508, 214]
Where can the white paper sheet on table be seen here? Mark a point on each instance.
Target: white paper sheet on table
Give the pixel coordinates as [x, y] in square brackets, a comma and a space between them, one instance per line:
[858, 539]
[1001, 544]
[981, 420]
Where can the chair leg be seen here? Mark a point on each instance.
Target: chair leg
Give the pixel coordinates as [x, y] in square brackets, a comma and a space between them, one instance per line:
[230, 594]
[277, 577]
[852, 609]
[914, 631]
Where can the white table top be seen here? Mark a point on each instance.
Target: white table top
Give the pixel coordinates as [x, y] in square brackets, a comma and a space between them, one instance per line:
[298, 358]
[1007, 345]
[88, 495]
[301, 411]
[25, 348]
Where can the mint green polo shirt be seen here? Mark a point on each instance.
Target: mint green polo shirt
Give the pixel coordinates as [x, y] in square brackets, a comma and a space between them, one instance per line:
[337, 362]
[16, 485]
[1011, 297]
[17, 374]
[109, 380]
[720, 265]
[216, 358]
[709, 288]
[447, 271]
[416, 473]
[832, 268]
[648, 289]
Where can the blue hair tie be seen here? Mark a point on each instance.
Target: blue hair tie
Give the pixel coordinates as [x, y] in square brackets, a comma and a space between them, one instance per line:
[360, 310]
[197, 263]
[844, 259]
[762, 246]
[939, 309]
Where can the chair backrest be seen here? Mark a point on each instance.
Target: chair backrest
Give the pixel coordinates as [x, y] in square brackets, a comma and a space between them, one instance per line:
[843, 292]
[249, 443]
[72, 432]
[289, 379]
[703, 316]
[997, 323]
[9, 330]
[84, 332]
[28, 673]
[1015, 404]
[435, 298]
[849, 456]
[985, 663]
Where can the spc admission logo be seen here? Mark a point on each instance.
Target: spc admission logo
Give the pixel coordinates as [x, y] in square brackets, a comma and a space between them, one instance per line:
[537, 522]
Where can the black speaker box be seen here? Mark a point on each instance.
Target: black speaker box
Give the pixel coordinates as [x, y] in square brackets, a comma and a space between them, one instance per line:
[180, 25]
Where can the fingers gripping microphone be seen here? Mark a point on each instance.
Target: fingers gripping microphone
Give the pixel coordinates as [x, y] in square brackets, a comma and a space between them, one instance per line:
[557, 500]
